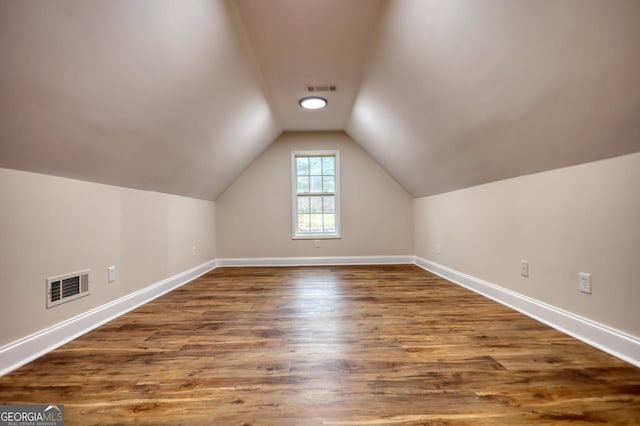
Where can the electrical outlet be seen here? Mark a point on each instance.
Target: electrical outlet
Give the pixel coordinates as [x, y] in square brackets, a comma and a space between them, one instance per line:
[316, 243]
[524, 268]
[194, 250]
[585, 283]
[111, 274]
[438, 248]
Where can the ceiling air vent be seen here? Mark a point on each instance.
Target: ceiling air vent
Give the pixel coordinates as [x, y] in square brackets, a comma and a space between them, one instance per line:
[65, 288]
[321, 88]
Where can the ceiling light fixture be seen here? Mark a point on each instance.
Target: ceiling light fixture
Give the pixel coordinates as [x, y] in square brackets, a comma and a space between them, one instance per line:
[313, 102]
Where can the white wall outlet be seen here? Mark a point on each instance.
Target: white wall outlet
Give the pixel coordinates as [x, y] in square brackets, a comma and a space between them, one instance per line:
[194, 251]
[585, 283]
[438, 248]
[111, 274]
[524, 268]
[316, 243]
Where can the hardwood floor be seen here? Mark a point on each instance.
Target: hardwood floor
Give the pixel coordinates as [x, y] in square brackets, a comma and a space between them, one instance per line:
[357, 345]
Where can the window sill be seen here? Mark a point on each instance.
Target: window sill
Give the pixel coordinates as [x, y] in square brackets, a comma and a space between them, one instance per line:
[317, 237]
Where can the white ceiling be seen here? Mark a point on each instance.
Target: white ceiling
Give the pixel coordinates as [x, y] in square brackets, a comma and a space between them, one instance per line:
[156, 95]
[310, 42]
[458, 93]
[179, 96]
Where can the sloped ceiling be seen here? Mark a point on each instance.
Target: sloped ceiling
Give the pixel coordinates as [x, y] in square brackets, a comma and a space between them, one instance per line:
[179, 96]
[156, 95]
[458, 93]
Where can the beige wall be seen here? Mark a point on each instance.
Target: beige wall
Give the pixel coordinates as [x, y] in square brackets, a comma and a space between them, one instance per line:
[584, 218]
[254, 213]
[51, 226]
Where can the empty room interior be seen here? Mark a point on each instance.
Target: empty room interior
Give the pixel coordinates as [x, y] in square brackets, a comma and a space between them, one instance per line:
[320, 212]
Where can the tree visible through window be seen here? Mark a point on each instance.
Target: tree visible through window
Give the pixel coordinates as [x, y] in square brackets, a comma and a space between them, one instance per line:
[315, 179]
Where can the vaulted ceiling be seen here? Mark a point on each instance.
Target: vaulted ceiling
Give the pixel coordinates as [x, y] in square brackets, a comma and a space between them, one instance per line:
[179, 96]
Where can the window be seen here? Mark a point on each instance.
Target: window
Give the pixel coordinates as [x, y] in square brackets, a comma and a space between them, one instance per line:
[315, 181]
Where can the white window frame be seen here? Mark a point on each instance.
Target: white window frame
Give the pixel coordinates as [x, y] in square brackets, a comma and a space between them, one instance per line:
[294, 196]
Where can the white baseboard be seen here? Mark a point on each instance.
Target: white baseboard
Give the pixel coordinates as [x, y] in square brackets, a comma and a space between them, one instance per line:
[317, 261]
[605, 338]
[18, 353]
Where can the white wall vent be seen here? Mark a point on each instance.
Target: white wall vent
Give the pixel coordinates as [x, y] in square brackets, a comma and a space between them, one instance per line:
[65, 288]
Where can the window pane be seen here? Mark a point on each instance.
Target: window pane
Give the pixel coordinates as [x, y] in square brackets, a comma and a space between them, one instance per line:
[302, 165]
[303, 223]
[328, 184]
[303, 185]
[315, 198]
[328, 204]
[316, 184]
[316, 205]
[303, 204]
[315, 165]
[328, 165]
[329, 223]
[316, 222]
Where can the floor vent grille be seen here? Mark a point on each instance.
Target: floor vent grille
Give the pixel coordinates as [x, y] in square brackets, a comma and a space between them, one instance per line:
[65, 288]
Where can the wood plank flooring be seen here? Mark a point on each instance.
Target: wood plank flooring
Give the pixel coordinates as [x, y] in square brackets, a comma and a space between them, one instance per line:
[353, 345]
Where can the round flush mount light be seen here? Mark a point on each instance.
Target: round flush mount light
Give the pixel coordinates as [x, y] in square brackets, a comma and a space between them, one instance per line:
[313, 102]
